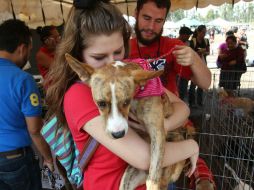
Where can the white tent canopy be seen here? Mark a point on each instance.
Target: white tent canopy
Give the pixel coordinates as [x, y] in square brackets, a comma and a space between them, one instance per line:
[220, 22]
[45, 12]
[188, 22]
[170, 24]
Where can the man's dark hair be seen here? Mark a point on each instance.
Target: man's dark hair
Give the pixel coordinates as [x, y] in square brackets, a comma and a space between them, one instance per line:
[12, 34]
[159, 3]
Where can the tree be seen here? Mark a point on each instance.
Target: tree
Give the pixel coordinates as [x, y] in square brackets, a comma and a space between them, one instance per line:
[176, 15]
[211, 15]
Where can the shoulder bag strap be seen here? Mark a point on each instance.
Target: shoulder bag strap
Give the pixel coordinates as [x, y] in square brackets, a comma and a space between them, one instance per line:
[87, 152]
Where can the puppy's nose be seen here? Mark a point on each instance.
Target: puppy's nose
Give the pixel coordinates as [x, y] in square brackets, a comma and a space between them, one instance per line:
[118, 134]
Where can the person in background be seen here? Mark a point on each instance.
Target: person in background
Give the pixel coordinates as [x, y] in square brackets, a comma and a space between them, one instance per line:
[200, 45]
[150, 44]
[182, 81]
[211, 39]
[223, 46]
[97, 34]
[49, 37]
[232, 63]
[243, 41]
[185, 34]
[20, 112]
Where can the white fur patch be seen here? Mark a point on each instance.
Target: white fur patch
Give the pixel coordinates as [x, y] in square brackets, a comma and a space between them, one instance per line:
[119, 63]
[116, 122]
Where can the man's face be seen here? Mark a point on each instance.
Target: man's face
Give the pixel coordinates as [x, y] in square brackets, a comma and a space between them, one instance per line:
[150, 20]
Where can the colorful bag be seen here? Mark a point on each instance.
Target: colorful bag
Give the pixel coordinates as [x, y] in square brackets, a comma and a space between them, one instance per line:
[65, 150]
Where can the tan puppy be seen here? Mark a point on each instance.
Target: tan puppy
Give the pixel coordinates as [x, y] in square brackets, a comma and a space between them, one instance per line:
[113, 87]
[237, 102]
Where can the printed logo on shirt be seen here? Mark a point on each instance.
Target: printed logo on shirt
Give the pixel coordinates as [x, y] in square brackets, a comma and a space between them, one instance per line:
[158, 64]
[34, 99]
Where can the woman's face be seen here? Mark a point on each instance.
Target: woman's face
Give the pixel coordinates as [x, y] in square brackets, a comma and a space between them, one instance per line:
[231, 44]
[202, 33]
[53, 39]
[104, 49]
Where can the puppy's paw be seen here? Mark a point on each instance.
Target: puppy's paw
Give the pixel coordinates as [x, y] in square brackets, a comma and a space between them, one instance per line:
[151, 185]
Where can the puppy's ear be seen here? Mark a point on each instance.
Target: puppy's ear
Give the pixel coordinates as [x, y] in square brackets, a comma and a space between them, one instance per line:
[142, 76]
[84, 71]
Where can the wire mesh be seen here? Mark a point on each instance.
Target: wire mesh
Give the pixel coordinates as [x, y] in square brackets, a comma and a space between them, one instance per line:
[226, 137]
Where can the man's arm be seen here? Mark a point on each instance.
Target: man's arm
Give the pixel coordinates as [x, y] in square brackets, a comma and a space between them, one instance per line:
[201, 74]
[34, 125]
[185, 56]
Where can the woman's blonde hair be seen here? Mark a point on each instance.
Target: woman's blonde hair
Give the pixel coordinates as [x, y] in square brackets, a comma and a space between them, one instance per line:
[104, 18]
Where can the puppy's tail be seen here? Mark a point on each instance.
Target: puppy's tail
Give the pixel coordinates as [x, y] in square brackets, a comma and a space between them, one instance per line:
[233, 173]
[239, 181]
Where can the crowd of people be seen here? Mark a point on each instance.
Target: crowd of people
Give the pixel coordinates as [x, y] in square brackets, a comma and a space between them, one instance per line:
[96, 33]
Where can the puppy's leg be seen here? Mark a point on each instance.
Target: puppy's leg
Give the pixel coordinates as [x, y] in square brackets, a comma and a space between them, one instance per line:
[132, 178]
[172, 173]
[150, 111]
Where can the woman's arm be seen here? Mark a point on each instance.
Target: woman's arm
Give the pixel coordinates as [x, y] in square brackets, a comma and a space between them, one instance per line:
[181, 112]
[135, 151]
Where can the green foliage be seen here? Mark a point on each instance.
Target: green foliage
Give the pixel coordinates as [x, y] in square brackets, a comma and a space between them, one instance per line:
[176, 15]
[240, 12]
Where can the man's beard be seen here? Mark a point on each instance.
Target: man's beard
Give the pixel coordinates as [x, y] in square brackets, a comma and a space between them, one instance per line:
[145, 41]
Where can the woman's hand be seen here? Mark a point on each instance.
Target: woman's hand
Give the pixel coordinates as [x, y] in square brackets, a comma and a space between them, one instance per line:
[233, 62]
[222, 55]
[193, 162]
[184, 55]
[201, 51]
[49, 165]
[133, 122]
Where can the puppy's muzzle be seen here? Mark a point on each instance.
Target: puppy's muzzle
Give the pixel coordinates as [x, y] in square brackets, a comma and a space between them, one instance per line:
[118, 134]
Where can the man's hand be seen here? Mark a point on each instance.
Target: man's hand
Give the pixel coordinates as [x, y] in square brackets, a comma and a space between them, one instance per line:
[184, 55]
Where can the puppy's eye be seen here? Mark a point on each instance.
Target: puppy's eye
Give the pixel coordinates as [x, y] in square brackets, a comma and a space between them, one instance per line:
[126, 102]
[102, 104]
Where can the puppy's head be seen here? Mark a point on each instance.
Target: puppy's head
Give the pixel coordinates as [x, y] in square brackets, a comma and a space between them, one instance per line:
[205, 185]
[113, 87]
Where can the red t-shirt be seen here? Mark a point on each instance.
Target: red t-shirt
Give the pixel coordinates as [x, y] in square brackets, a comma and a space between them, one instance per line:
[158, 49]
[43, 71]
[105, 169]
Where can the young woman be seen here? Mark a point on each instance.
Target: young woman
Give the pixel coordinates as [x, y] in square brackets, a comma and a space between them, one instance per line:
[232, 64]
[97, 34]
[49, 37]
[200, 45]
